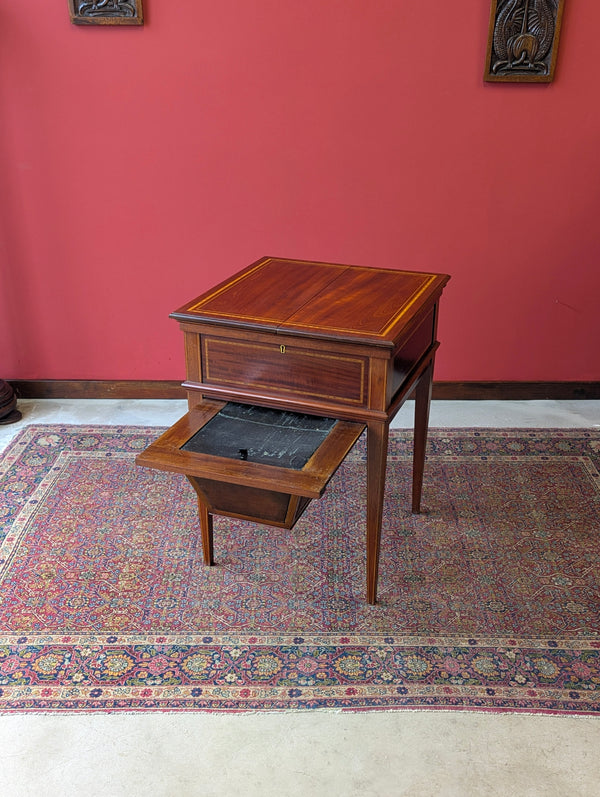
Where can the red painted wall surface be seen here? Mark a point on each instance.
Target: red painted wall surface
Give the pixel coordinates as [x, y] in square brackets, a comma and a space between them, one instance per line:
[142, 165]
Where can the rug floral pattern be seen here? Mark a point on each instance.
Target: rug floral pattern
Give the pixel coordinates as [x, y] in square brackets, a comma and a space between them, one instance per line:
[489, 599]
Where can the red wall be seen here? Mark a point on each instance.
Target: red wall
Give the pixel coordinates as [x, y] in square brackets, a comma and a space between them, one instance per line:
[142, 165]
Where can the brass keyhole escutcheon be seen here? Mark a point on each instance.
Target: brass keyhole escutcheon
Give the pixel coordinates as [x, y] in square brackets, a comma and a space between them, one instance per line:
[282, 349]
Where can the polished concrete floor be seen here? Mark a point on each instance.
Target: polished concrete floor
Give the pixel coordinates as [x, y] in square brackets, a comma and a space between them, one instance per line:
[376, 754]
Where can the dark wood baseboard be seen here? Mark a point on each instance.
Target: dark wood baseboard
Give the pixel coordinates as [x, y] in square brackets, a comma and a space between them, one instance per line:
[515, 391]
[98, 389]
[156, 389]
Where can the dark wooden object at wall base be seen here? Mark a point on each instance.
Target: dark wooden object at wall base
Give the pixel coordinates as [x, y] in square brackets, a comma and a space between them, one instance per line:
[106, 12]
[523, 40]
[8, 404]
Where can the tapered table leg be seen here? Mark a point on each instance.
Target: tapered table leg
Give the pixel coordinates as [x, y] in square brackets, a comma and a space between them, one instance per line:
[206, 527]
[377, 444]
[422, 404]
[206, 524]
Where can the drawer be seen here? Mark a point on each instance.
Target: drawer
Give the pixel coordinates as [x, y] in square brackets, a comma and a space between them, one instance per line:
[254, 463]
[285, 370]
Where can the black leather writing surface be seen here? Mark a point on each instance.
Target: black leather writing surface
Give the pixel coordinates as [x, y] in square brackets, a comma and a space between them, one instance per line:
[258, 434]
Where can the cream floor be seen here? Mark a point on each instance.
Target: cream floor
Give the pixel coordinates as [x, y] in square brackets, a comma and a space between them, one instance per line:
[319, 753]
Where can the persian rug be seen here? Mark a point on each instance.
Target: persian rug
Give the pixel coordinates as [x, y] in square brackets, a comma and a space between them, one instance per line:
[488, 600]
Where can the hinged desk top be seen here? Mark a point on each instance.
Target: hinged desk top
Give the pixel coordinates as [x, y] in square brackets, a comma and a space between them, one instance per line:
[323, 300]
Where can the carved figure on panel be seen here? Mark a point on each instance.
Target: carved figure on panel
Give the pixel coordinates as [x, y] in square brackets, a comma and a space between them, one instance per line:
[106, 12]
[523, 39]
[112, 8]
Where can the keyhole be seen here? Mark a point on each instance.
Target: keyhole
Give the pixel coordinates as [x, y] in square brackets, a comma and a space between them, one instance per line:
[282, 349]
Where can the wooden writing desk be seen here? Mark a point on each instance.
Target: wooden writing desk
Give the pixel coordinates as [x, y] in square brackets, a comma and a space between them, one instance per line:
[343, 342]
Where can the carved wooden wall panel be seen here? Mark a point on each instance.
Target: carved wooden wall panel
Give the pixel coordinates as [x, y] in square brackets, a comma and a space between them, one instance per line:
[523, 40]
[106, 12]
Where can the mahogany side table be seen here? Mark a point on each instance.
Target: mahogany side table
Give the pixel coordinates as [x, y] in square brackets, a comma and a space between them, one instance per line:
[340, 342]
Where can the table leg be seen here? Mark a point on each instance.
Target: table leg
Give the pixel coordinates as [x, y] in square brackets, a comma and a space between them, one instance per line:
[422, 403]
[377, 445]
[206, 527]
[206, 524]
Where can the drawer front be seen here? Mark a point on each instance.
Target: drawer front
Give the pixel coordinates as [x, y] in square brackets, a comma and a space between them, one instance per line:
[285, 370]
